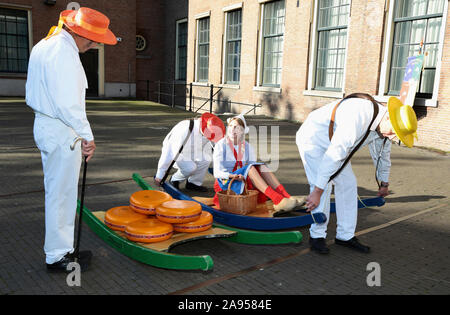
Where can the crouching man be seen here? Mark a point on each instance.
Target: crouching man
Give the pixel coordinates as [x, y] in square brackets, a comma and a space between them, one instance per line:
[326, 142]
[188, 146]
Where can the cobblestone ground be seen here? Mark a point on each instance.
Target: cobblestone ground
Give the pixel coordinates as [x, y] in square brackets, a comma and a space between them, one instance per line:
[409, 236]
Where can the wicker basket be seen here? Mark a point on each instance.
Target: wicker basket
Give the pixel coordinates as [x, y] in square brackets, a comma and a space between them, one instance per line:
[238, 204]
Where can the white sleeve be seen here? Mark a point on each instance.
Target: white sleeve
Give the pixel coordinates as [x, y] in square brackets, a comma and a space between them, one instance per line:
[171, 146]
[219, 169]
[66, 85]
[164, 160]
[352, 122]
[377, 149]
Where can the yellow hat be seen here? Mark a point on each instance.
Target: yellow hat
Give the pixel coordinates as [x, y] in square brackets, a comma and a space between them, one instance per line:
[403, 120]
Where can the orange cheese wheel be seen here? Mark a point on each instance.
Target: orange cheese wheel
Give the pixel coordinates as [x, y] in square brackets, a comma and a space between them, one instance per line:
[149, 230]
[145, 201]
[119, 217]
[178, 211]
[201, 224]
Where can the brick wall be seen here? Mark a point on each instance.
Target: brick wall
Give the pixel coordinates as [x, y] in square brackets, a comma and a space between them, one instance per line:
[434, 127]
[174, 10]
[120, 60]
[156, 21]
[149, 24]
[363, 64]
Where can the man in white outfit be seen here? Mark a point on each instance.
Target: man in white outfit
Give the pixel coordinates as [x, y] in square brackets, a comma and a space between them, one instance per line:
[324, 147]
[55, 90]
[193, 162]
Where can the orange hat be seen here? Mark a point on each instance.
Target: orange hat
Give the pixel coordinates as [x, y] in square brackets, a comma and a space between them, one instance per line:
[212, 127]
[87, 23]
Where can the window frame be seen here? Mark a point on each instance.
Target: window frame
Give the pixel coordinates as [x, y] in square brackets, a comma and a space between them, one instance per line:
[227, 11]
[177, 47]
[312, 89]
[383, 86]
[314, 38]
[324, 29]
[197, 55]
[29, 36]
[260, 85]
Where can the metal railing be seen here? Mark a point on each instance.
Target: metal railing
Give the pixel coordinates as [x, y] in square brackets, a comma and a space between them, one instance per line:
[193, 97]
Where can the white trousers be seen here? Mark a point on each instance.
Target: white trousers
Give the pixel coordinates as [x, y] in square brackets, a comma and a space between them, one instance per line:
[193, 171]
[61, 173]
[345, 193]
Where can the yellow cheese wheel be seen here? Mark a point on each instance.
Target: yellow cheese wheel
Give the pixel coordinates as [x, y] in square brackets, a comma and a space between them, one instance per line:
[149, 230]
[178, 211]
[119, 217]
[145, 201]
[201, 224]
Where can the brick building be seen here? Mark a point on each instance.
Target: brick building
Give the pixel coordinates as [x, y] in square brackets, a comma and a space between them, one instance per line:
[292, 56]
[163, 26]
[146, 50]
[289, 56]
[110, 70]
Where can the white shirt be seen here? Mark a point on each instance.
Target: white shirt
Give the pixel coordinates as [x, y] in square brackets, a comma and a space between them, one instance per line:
[197, 148]
[352, 120]
[224, 159]
[377, 151]
[56, 83]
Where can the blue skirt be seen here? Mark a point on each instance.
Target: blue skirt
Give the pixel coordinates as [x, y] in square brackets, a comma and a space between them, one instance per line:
[237, 186]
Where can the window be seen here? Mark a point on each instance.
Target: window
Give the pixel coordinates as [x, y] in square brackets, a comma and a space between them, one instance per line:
[416, 22]
[332, 21]
[233, 47]
[181, 52]
[272, 42]
[14, 50]
[203, 50]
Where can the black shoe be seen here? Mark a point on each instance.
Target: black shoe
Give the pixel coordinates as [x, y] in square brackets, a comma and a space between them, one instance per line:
[83, 258]
[319, 245]
[353, 243]
[175, 184]
[194, 187]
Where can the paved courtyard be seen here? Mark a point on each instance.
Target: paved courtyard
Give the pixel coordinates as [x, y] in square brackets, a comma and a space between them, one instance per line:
[409, 235]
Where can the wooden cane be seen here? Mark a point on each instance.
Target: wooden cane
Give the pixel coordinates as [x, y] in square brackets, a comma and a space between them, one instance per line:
[77, 246]
[80, 216]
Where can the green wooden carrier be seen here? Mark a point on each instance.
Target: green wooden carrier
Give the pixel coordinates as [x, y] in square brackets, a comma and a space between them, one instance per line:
[158, 255]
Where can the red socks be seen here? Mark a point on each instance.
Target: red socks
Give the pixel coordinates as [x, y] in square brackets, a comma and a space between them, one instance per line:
[280, 189]
[272, 194]
[276, 195]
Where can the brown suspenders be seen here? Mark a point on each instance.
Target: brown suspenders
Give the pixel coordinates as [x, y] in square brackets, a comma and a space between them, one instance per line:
[331, 125]
[333, 115]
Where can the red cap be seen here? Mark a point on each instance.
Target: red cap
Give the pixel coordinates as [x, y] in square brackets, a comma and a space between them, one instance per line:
[212, 127]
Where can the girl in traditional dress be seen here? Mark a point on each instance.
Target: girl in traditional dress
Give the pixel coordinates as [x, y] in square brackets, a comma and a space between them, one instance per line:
[235, 158]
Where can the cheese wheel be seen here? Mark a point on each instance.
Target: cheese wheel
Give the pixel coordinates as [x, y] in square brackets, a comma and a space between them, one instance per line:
[145, 201]
[201, 224]
[119, 217]
[149, 230]
[178, 211]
